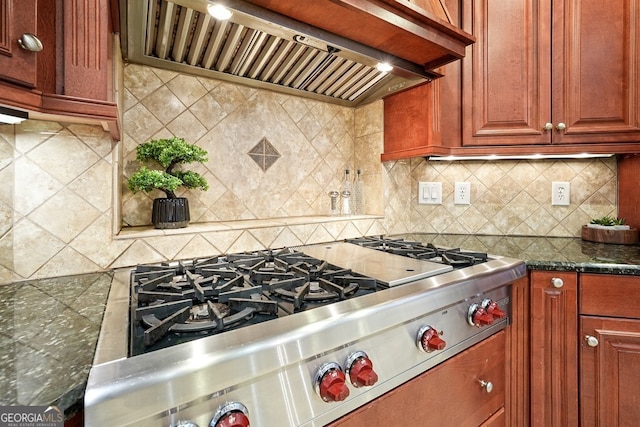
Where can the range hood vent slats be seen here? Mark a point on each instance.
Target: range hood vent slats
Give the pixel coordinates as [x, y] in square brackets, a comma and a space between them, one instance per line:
[183, 34]
[261, 61]
[165, 29]
[199, 40]
[248, 50]
[218, 35]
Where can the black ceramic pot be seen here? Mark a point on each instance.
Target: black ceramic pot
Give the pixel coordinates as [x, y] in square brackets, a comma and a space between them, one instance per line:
[170, 213]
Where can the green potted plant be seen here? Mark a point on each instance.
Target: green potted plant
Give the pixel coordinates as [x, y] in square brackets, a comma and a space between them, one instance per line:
[170, 211]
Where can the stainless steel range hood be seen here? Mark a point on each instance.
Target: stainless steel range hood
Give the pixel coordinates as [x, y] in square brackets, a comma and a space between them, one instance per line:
[259, 48]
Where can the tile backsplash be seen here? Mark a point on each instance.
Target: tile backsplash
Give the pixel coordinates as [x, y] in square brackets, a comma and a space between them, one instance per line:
[510, 197]
[66, 209]
[308, 143]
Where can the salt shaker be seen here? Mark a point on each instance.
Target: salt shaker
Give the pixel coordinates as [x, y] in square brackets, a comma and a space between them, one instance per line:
[334, 203]
[346, 208]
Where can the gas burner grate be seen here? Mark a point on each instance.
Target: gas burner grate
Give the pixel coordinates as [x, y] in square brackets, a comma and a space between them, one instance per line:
[455, 257]
[186, 300]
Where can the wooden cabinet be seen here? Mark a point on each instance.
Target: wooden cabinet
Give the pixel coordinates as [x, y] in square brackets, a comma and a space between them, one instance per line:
[566, 65]
[609, 350]
[71, 78]
[554, 349]
[569, 63]
[420, 401]
[17, 18]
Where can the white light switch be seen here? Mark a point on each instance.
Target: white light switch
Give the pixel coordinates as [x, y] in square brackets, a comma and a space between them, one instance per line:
[430, 193]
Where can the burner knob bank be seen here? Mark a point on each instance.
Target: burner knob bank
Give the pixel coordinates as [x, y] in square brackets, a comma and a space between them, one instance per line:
[360, 370]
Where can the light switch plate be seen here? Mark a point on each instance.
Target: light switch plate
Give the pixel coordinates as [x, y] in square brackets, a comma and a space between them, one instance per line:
[430, 193]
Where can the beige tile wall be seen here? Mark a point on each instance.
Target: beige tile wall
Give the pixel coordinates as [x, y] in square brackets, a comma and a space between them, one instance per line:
[513, 197]
[315, 141]
[58, 205]
[58, 210]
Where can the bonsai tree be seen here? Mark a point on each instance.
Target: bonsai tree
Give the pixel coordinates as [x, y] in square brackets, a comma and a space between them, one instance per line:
[168, 153]
[172, 211]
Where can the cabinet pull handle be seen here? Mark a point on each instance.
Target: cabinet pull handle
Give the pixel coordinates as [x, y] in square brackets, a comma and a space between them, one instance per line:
[486, 385]
[561, 126]
[557, 282]
[547, 126]
[30, 42]
[591, 340]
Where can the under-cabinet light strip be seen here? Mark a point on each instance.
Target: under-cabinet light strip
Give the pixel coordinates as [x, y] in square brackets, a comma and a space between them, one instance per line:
[520, 157]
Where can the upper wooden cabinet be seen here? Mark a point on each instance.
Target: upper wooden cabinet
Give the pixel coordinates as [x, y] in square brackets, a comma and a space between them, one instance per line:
[71, 78]
[544, 77]
[552, 72]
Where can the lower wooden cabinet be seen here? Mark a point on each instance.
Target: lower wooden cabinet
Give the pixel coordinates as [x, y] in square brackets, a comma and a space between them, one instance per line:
[448, 395]
[554, 348]
[609, 350]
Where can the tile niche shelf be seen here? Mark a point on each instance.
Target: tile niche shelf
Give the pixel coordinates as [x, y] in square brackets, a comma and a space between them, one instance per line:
[207, 227]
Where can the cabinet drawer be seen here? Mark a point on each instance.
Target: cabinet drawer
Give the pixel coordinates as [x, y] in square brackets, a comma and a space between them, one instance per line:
[610, 295]
[420, 402]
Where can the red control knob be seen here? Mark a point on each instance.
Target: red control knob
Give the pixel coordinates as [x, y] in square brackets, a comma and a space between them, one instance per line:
[331, 383]
[492, 308]
[234, 419]
[481, 317]
[360, 370]
[429, 339]
[231, 414]
[478, 316]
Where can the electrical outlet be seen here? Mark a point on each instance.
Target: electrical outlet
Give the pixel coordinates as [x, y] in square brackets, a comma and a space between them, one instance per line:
[462, 193]
[430, 193]
[560, 193]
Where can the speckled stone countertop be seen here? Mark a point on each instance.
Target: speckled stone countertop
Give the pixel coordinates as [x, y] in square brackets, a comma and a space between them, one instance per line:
[546, 253]
[48, 334]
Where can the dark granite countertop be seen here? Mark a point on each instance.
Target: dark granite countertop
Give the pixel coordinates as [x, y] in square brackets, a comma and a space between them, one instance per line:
[546, 253]
[48, 334]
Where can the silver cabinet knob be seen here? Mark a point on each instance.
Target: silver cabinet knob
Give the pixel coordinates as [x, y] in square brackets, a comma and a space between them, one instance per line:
[591, 340]
[30, 42]
[185, 424]
[486, 385]
[561, 126]
[557, 282]
[547, 126]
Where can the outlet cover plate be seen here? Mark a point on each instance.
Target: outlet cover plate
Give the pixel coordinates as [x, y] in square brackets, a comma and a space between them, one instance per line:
[430, 193]
[560, 193]
[462, 193]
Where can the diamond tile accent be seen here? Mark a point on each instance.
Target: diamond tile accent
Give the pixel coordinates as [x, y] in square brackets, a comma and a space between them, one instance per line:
[264, 154]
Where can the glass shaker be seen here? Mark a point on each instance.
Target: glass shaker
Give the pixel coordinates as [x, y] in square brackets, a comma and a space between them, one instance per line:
[335, 209]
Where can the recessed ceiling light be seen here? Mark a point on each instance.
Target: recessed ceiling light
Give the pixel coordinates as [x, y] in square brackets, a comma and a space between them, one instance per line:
[385, 67]
[218, 11]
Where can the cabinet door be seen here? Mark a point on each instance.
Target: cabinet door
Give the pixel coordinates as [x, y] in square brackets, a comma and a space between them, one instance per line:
[596, 71]
[609, 386]
[17, 65]
[554, 350]
[506, 77]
